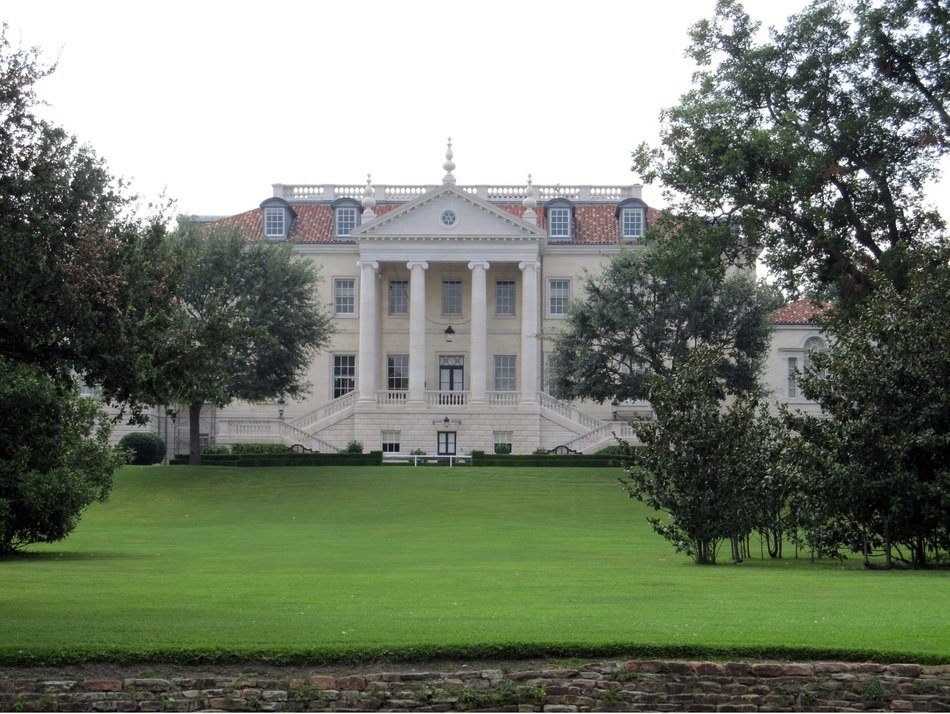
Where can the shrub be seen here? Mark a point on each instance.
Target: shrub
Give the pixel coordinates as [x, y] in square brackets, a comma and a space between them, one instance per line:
[146, 448]
[259, 449]
[353, 447]
[215, 449]
[417, 452]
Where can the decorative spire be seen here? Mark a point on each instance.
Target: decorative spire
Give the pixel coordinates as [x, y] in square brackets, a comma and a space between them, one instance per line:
[449, 165]
[369, 202]
[530, 203]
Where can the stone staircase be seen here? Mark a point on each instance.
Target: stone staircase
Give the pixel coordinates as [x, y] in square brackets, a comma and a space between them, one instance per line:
[593, 434]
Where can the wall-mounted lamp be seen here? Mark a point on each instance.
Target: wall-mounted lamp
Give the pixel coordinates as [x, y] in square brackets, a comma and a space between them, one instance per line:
[449, 334]
[280, 408]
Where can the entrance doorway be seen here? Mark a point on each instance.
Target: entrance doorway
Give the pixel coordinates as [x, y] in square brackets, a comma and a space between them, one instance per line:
[451, 379]
[446, 443]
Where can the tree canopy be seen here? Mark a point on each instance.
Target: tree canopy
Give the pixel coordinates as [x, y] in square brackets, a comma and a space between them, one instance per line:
[646, 312]
[245, 323]
[816, 144]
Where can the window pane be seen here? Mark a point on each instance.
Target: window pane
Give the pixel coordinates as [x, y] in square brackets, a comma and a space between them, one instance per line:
[632, 222]
[344, 297]
[398, 297]
[559, 223]
[559, 296]
[390, 442]
[344, 374]
[792, 379]
[451, 297]
[345, 221]
[397, 372]
[273, 221]
[505, 376]
[502, 441]
[505, 297]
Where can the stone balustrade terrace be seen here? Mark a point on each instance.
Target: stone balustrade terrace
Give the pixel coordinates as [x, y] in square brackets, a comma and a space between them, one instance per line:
[325, 193]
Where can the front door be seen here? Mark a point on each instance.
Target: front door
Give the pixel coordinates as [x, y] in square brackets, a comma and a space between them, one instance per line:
[451, 379]
[447, 443]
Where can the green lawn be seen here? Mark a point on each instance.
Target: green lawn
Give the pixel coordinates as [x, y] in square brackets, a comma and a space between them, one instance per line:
[348, 560]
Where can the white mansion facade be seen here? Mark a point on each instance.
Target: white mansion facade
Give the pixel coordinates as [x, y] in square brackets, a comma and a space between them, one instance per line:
[444, 298]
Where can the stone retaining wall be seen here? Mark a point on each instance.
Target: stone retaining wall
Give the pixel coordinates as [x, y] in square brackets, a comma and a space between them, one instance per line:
[633, 685]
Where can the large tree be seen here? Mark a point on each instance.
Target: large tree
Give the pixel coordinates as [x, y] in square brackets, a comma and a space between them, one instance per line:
[646, 312]
[876, 466]
[245, 323]
[817, 143]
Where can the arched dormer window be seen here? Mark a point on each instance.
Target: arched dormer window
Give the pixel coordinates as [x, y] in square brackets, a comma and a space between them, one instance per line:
[276, 218]
[560, 218]
[346, 217]
[632, 218]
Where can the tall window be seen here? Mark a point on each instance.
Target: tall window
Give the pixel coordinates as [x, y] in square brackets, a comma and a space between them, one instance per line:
[559, 296]
[631, 222]
[390, 442]
[793, 377]
[398, 297]
[505, 375]
[505, 297]
[274, 222]
[344, 296]
[344, 374]
[451, 297]
[345, 220]
[559, 223]
[397, 372]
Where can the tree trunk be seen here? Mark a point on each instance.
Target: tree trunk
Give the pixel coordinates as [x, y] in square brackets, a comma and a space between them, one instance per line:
[194, 433]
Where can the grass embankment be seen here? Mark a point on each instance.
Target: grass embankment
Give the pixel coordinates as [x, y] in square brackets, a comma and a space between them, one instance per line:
[216, 563]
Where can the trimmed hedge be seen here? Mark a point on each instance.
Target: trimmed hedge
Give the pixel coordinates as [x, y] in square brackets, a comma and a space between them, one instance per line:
[552, 460]
[373, 458]
[146, 448]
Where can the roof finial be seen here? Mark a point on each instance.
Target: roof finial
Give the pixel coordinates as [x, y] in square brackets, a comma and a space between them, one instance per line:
[369, 202]
[449, 165]
[530, 203]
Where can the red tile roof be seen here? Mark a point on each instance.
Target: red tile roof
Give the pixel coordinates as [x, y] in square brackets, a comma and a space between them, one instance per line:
[800, 312]
[593, 223]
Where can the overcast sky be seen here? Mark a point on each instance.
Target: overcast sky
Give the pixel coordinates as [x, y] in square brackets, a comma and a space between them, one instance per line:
[212, 102]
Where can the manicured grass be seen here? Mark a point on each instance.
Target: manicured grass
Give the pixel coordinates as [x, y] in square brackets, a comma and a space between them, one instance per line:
[361, 561]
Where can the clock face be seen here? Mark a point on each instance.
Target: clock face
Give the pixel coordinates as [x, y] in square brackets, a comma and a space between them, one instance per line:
[448, 217]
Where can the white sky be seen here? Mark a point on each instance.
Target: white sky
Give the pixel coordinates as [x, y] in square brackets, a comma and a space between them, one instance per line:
[212, 102]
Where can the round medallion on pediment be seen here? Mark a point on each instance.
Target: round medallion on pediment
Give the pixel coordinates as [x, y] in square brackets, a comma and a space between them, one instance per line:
[448, 217]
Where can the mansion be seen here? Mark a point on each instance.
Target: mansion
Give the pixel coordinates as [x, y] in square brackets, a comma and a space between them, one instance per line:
[444, 299]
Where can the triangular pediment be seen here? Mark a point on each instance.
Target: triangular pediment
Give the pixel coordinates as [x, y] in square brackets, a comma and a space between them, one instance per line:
[447, 213]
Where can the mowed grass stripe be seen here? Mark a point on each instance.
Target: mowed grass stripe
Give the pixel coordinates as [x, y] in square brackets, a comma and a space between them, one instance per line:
[356, 559]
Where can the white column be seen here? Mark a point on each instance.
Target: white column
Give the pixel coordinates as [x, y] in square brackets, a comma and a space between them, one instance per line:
[529, 331]
[417, 330]
[369, 318]
[478, 344]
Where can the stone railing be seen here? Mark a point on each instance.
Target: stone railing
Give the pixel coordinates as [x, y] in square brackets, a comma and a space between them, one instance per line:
[389, 397]
[456, 398]
[487, 192]
[569, 412]
[503, 399]
[615, 686]
[327, 410]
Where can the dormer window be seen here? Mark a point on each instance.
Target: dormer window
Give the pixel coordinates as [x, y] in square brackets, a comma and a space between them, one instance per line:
[632, 215]
[276, 218]
[560, 215]
[346, 217]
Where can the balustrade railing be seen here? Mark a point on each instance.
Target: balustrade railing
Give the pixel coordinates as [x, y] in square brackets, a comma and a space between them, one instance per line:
[569, 412]
[328, 409]
[383, 192]
[455, 398]
[388, 397]
[503, 399]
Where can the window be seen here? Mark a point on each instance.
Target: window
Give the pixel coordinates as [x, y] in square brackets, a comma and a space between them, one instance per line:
[344, 296]
[345, 220]
[344, 374]
[390, 441]
[505, 375]
[505, 297]
[559, 223]
[559, 296]
[398, 297]
[502, 441]
[397, 372]
[813, 344]
[274, 219]
[451, 297]
[631, 223]
[792, 378]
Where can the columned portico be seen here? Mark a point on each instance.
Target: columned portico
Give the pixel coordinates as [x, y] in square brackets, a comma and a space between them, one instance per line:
[529, 331]
[369, 319]
[417, 330]
[479, 335]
